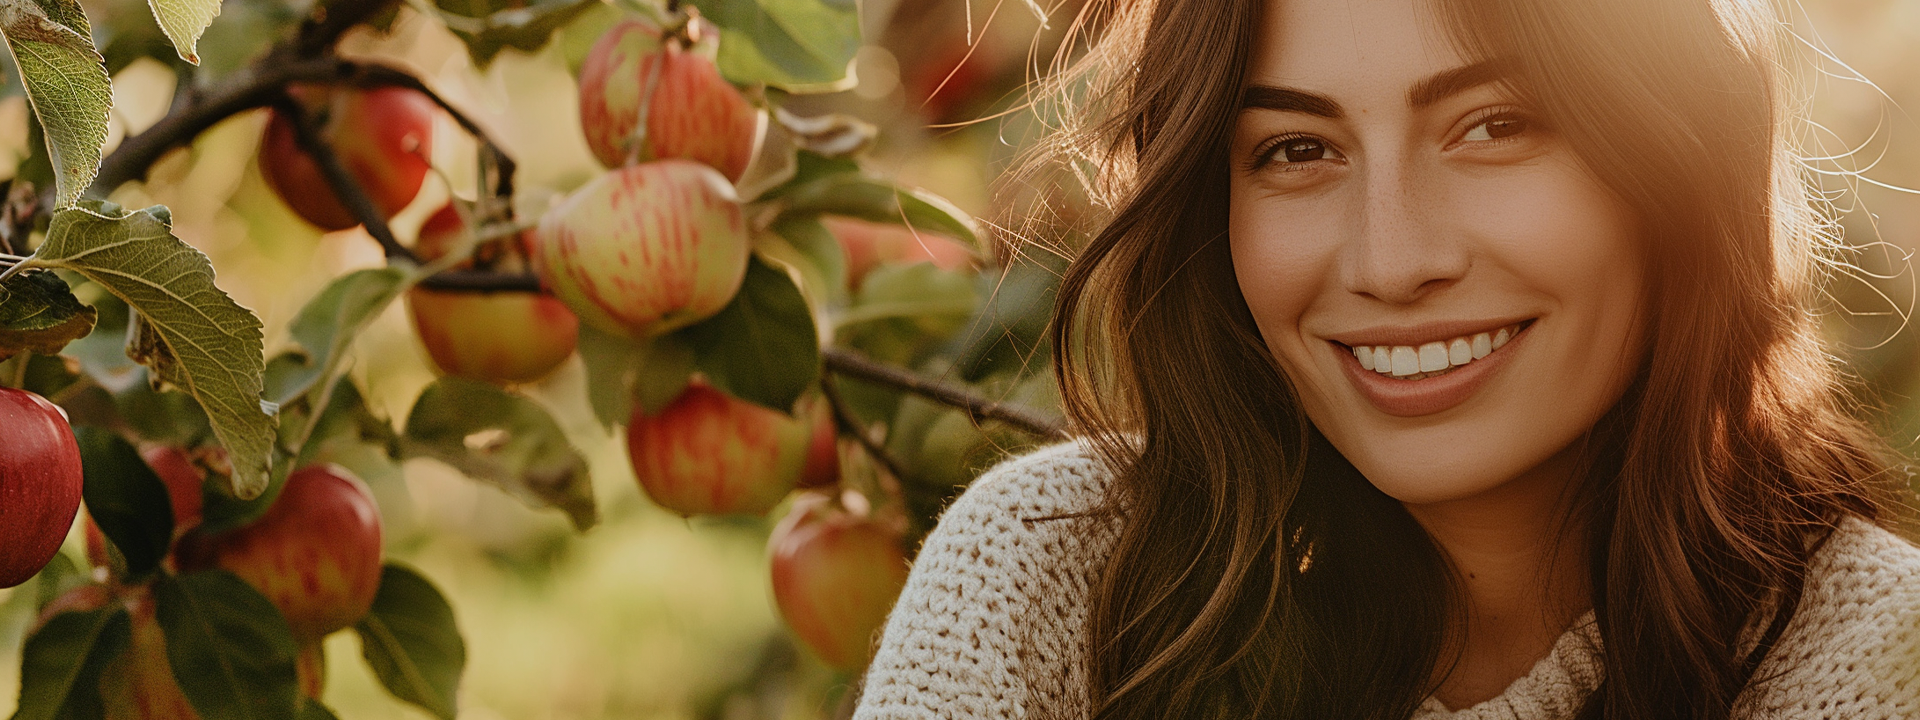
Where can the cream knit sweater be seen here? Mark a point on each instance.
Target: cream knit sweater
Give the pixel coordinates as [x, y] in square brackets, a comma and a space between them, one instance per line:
[992, 614]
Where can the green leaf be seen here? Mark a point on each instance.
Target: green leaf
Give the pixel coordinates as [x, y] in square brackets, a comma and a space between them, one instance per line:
[56, 579]
[522, 28]
[622, 371]
[125, 498]
[937, 300]
[411, 642]
[183, 21]
[798, 45]
[808, 168]
[870, 198]
[38, 313]
[60, 664]
[52, 46]
[819, 246]
[200, 339]
[328, 324]
[500, 438]
[762, 347]
[1009, 332]
[231, 651]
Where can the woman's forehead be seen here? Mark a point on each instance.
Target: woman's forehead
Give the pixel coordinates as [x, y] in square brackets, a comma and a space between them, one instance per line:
[1354, 51]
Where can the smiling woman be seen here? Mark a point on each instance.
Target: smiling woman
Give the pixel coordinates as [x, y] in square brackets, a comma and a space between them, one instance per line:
[1441, 359]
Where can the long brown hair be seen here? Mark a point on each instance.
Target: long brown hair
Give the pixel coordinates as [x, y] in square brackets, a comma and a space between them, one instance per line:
[1257, 573]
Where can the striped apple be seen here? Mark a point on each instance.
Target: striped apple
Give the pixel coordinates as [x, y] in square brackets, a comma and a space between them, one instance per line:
[495, 337]
[692, 113]
[39, 483]
[647, 249]
[710, 453]
[384, 137]
[315, 554]
[835, 577]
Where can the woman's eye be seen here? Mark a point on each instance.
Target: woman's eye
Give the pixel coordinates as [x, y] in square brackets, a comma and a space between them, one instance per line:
[1295, 151]
[1302, 150]
[1496, 128]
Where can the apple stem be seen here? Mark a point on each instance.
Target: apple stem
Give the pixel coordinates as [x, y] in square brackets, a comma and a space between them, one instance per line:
[13, 268]
[853, 364]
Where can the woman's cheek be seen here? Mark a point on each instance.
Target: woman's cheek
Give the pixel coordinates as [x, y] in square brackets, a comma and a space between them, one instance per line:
[1283, 257]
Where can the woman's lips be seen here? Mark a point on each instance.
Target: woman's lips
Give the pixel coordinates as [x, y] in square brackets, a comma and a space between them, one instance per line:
[1412, 398]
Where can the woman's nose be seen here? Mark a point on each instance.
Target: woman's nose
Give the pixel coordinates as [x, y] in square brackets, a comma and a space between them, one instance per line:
[1399, 251]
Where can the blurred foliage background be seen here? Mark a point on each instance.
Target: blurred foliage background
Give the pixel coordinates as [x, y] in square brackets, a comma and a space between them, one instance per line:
[653, 616]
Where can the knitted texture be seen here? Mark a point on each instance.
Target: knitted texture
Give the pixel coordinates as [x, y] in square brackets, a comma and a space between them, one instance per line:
[992, 618]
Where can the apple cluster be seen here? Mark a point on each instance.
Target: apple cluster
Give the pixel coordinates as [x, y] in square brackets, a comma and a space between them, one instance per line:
[658, 242]
[661, 242]
[315, 554]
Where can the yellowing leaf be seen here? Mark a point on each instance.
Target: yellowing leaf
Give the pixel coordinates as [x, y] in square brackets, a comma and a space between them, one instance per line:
[193, 336]
[66, 83]
[183, 21]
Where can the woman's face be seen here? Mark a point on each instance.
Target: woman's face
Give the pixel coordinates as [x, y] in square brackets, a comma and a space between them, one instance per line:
[1455, 298]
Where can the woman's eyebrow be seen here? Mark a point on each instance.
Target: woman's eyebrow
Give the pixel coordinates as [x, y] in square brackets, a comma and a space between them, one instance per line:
[1447, 83]
[1430, 90]
[1285, 99]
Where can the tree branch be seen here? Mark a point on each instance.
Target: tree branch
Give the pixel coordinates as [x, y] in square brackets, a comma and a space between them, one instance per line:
[345, 187]
[844, 418]
[261, 86]
[482, 281]
[855, 365]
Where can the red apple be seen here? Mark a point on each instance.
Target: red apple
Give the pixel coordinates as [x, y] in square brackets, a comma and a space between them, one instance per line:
[495, 337]
[835, 577]
[315, 554]
[709, 453]
[693, 113]
[39, 483]
[869, 244]
[384, 137]
[647, 249]
[823, 448]
[138, 684]
[183, 480]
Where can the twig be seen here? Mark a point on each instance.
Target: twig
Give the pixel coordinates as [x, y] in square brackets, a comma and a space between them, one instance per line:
[261, 86]
[328, 21]
[843, 417]
[345, 187]
[482, 281]
[852, 364]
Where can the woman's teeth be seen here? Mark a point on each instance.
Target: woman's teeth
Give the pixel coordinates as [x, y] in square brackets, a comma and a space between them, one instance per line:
[1435, 358]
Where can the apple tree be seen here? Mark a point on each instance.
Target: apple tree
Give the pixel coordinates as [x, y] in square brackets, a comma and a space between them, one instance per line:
[769, 324]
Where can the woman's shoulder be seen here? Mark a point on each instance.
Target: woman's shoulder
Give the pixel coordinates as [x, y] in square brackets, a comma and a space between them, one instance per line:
[1853, 646]
[990, 620]
[1063, 479]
